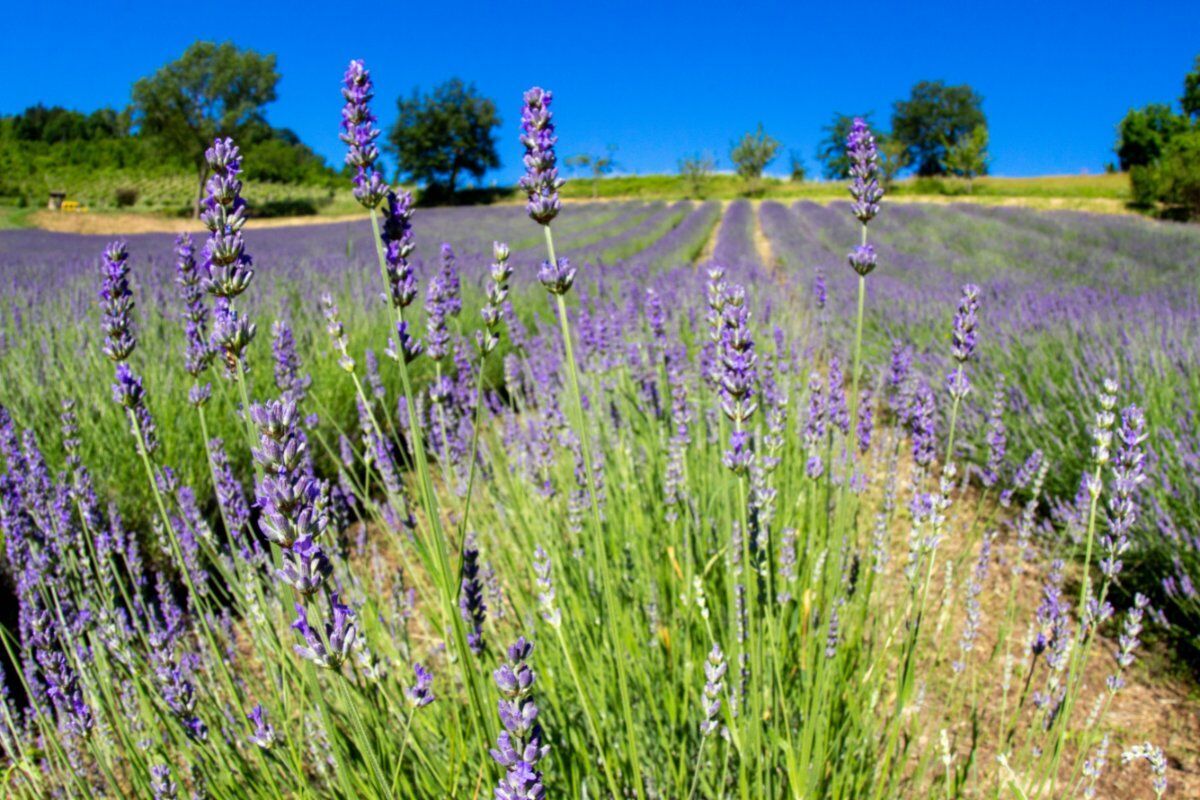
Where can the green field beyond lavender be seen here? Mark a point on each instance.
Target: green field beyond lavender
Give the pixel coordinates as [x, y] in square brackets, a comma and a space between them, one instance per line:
[287, 515]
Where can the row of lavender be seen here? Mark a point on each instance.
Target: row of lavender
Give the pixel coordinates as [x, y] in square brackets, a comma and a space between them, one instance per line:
[1072, 299]
[49, 336]
[647, 562]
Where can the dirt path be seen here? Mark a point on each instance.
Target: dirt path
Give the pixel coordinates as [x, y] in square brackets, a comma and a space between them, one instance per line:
[121, 224]
[706, 253]
[762, 245]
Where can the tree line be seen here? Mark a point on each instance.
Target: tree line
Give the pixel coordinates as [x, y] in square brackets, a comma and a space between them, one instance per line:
[1160, 149]
[939, 130]
[449, 132]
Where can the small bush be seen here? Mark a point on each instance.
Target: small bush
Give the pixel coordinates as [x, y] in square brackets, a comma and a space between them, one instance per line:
[289, 207]
[929, 186]
[1143, 186]
[126, 196]
[1178, 175]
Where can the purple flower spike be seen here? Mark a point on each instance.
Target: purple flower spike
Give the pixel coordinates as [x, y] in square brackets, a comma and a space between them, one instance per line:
[714, 685]
[470, 599]
[519, 746]
[864, 185]
[497, 293]
[287, 493]
[340, 633]
[305, 567]
[198, 354]
[116, 304]
[540, 181]
[420, 694]
[264, 734]
[965, 321]
[161, 784]
[359, 133]
[398, 243]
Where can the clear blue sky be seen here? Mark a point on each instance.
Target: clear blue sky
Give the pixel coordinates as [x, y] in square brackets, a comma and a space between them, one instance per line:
[657, 80]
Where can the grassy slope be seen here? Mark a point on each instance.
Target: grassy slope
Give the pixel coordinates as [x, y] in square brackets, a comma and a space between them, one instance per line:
[166, 197]
[726, 186]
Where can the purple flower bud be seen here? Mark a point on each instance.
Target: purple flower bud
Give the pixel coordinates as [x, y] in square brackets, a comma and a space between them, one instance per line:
[557, 277]
[862, 259]
[263, 734]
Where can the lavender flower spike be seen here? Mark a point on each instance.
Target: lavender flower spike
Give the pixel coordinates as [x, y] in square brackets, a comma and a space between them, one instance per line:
[470, 599]
[398, 242]
[340, 633]
[714, 675]
[540, 181]
[497, 293]
[965, 322]
[116, 304]
[519, 746]
[864, 185]
[264, 734]
[420, 694]
[359, 133]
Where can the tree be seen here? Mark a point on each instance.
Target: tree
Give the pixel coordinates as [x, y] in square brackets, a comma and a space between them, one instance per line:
[1191, 92]
[695, 170]
[444, 133]
[599, 165]
[933, 115]
[1144, 133]
[831, 152]
[893, 158]
[211, 90]
[798, 169]
[1177, 176]
[967, 157]
[752, 154]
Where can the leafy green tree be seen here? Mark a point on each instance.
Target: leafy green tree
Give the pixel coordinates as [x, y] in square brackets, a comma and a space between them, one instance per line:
[798, 169]
[1178, 174]
[211, 90]
[967, 157]
[440, 135]
[599, 165]
[1144, 133]
[751, 155]
[933, 115]
[831, 151]
[695, 170]
[1191, 92]
[893, 159]
[278, 155]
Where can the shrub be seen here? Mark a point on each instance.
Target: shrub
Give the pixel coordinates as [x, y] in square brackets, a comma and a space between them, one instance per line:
[695, 171]
[1143, 186]
[1178, 175]
[126, 196]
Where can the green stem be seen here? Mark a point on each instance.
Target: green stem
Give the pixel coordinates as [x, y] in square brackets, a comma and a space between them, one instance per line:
[611, 609]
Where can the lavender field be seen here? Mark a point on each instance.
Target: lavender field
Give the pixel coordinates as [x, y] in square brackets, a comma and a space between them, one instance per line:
[605, 500]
